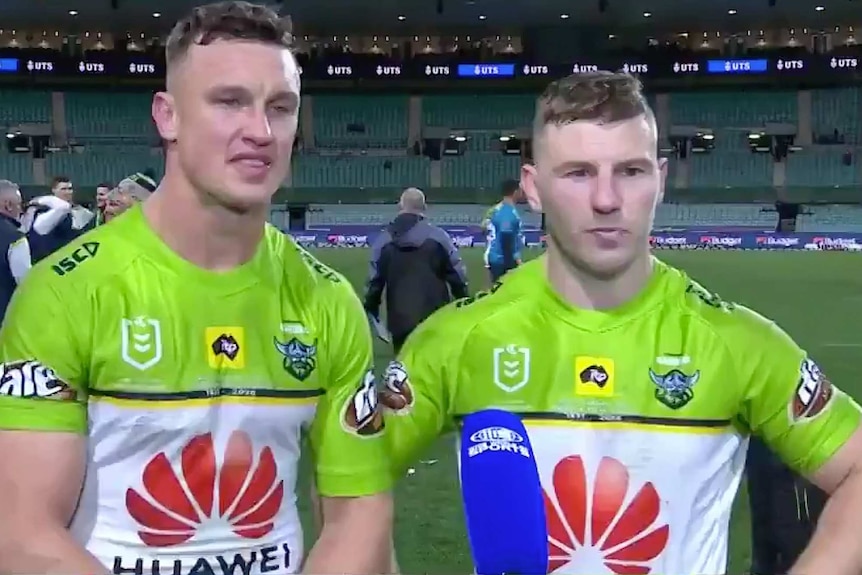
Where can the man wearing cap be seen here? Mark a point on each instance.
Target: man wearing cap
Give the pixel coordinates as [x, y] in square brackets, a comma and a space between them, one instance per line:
[418, 266]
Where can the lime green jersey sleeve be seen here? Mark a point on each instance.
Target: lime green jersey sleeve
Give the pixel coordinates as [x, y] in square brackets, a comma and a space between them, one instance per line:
[788, 401]
[418, 387]
[45, 367]
[347, 435]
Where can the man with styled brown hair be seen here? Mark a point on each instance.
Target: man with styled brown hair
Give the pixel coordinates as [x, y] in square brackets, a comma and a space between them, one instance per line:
[639, 388]
[161, 374]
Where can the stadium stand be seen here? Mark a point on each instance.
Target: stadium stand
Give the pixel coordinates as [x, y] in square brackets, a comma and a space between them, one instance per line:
[364, 142]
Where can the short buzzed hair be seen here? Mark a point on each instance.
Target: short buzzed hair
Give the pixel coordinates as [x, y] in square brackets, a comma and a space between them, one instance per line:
[229, 20]
[8, 187]
[601, 96]
[412, 200]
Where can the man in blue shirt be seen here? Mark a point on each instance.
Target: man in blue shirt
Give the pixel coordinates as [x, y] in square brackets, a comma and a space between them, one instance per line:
[504, 234]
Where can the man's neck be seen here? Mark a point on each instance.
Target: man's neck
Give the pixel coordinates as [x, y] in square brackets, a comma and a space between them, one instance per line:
[208, 236]
[584, 291]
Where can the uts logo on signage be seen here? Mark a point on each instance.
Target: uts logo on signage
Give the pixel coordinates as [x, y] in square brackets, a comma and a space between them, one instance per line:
[596, 525]
[208, 488]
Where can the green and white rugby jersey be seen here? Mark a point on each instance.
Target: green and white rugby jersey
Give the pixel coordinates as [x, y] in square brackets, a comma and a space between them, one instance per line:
[194, 389]
[639, 416]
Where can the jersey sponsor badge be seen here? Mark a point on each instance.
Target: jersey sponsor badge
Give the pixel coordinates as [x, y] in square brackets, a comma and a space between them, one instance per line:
[813, 393]
[30, 378]
[141, 345]
[594, 376]
[225, 347]
[361, 414]
[396, 394]
[673, 388]
[511, 367]
[300, 359]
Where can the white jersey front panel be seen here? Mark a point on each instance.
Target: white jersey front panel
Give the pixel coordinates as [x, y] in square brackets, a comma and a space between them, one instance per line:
[193, 487]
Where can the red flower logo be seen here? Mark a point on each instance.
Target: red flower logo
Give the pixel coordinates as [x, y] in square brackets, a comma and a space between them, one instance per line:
[173, 505]
[623, 538]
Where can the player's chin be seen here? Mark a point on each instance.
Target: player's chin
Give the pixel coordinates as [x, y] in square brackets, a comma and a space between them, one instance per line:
[244, 197]
[607, 264]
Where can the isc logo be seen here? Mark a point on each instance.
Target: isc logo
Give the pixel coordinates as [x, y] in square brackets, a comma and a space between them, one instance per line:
[76, 258]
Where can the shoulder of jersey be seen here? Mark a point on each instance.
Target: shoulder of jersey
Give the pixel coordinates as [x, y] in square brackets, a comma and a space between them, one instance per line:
[104, 251]
[304, 271]
[725, 317]
[506, 294]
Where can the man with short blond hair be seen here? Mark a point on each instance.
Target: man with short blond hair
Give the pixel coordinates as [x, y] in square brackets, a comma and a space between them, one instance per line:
[418, 266]
[638, 387]
[169, 369]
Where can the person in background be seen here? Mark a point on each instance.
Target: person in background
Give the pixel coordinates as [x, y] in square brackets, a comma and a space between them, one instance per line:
[51, 221]
[136, 188]
[488, 232]
[785, 508]
[102, 191]
[417, 264]
[503, 251]
[13, 243]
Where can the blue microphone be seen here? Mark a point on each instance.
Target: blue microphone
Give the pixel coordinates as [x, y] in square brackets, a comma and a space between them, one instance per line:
[503, 501]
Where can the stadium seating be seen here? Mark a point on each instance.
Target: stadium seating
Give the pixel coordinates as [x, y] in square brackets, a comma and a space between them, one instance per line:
[24, 106]
[357, 171]
[830, 218]
[101, 162]
[481, 170]
[121, 116]
[381, 214]
[840, 110]
[822, 165]
[722, 109]
[730, 215]
[478, 111]
[361, 141]
[730, 168]
[360, 121]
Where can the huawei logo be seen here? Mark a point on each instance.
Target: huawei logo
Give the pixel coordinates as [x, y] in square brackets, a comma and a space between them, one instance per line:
[234, 490]
[593, 524]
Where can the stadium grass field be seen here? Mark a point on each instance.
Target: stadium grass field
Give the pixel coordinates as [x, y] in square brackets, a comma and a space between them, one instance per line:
[815, 296]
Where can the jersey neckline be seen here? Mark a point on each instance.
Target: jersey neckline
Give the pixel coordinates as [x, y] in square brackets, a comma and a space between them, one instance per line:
[232, 280]
[646, 299]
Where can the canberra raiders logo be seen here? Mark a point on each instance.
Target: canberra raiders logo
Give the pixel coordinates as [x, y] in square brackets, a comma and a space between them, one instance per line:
[299, 359]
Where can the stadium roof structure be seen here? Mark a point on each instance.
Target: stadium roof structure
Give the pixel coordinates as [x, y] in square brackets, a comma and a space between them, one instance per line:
[413, 15]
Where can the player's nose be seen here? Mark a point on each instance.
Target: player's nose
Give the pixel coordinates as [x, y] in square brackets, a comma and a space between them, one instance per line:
[605, 197]
[258, 127]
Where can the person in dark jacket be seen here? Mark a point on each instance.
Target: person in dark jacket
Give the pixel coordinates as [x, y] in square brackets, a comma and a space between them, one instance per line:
[418, 266]
[785, 508]
[53, 221]
[14, 248]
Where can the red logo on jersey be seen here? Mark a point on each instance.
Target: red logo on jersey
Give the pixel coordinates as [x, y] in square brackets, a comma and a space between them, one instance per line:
[175, 502]
[623, 534]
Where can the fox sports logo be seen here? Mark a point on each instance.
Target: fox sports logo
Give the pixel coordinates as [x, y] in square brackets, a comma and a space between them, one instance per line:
[496, 434]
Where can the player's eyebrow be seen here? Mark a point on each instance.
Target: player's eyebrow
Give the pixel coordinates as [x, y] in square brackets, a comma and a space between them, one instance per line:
[640, 161]
[288, 97]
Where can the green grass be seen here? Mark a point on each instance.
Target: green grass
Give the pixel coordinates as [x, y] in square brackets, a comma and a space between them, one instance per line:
[816, 297]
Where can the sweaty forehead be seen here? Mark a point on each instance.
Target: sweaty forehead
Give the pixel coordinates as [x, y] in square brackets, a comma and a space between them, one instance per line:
[253, 65]
[600, 143]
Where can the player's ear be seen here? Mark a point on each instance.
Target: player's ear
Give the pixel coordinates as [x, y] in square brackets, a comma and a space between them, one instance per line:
[662, 168]
[165, 115]
[528, 185]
